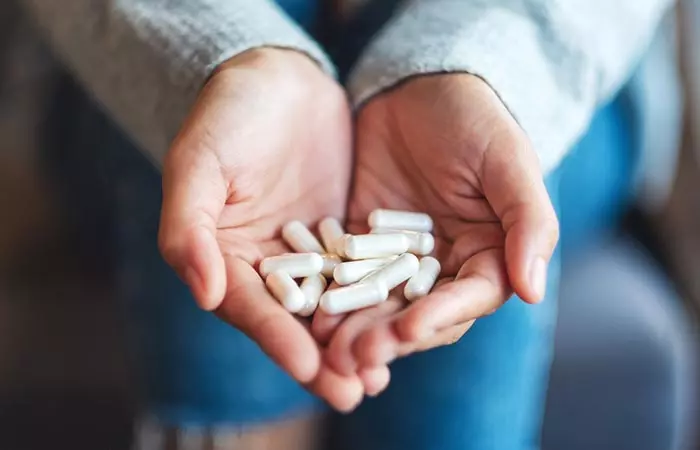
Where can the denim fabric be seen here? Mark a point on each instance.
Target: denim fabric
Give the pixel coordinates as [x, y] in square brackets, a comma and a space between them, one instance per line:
[485, 392]
[304, 12]
[597, 176]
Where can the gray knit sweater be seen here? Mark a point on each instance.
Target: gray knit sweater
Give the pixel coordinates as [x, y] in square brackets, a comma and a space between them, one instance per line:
[551, 61]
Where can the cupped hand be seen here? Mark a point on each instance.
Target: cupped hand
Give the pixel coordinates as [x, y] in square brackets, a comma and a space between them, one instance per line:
[446, 145]
[268, 141]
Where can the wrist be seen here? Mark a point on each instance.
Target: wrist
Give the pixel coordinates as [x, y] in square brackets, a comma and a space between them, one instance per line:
[452, 83]
[269, 58]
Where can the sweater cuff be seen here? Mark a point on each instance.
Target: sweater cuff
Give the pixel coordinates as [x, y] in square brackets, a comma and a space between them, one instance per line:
[146, 61]
[499, 45]
[192, 44]
[218, 31]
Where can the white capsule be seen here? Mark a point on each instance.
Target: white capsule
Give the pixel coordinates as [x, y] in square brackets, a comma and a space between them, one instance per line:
[366, 246]
[297, 236]
[330, 262]
[400, 220]
[353, 271]
[296, 265]
[394, 273]
[331, 232]
[352, 298]
[420, 244]
[312, 288]
[286, 291]
[423, 281]
[340, 246]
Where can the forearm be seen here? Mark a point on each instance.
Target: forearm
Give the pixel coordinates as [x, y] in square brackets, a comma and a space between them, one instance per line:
[145, 60]
[551, 62]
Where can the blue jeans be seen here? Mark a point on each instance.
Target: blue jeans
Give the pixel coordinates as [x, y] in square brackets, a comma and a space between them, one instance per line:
[486, 392]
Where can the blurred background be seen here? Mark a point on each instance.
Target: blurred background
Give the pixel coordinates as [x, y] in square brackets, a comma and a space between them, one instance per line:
[624, 375]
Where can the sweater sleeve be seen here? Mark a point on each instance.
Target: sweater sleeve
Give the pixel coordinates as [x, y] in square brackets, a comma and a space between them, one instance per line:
[552, 62]
[145, 60]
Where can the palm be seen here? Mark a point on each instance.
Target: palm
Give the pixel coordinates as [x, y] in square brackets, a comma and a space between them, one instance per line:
[308, 182]
[278, 150]
[406, 173]
[306, 179]
[267, 142]
[425, 152]
[419, 154]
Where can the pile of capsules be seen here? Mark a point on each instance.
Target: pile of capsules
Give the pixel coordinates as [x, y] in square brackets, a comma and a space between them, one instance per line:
[365, 267]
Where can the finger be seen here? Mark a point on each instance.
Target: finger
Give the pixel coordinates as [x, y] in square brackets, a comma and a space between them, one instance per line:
[381, 344]
[378, 345]
[513, 184]
[480, 287]
[339, 354]
[324, 325]
[471, 238]
[343, 393]
[375, 379]
[194, 194]
[249, 307]
[448, 336]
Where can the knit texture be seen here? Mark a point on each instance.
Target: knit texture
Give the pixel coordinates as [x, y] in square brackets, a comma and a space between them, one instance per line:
[146, 60]
[552, 62]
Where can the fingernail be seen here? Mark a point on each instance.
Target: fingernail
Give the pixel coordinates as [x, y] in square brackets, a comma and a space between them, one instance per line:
[538, 277]
[352, 408]
[376, 394]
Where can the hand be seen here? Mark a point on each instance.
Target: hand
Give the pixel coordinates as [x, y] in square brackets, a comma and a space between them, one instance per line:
[268, 141]
[447, 146]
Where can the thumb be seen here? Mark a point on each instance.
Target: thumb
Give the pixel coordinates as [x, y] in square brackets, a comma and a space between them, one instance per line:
[194, 194]
[513, 185]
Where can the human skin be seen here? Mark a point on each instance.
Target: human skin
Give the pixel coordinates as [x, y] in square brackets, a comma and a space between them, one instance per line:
[268, 141]
[447, 146]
